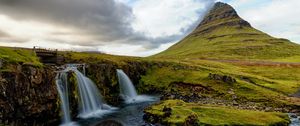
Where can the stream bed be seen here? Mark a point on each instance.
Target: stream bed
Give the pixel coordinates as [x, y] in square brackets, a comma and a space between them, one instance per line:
[295, 120]
[125, 115]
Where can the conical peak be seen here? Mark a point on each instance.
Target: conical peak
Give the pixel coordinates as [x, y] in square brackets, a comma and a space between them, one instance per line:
[221, 14]
[220, 11]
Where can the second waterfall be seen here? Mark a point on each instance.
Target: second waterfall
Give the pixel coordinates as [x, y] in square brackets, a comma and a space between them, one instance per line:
[128, 91]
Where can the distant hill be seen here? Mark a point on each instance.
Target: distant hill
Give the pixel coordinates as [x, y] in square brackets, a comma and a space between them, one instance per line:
[224, 35]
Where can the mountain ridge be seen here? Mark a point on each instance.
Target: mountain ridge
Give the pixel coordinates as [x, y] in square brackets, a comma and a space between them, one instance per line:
[223, 34]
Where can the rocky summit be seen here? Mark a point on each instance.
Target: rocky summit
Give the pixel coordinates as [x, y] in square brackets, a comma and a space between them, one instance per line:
[221, 14]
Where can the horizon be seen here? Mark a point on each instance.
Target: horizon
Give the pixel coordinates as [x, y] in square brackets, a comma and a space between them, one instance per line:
[130, 28]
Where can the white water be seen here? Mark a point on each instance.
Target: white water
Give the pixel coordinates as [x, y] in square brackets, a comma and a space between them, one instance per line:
[128, 91]
[294, 121]
[90, 100]
[62, 87]
[91, 103]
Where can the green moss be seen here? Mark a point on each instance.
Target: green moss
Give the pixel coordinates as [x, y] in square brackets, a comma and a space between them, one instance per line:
[17, 55]
[96, 57]
[73, 83]
[216, 115]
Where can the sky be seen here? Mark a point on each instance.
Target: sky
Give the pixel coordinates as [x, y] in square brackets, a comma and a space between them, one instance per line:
[129, 27]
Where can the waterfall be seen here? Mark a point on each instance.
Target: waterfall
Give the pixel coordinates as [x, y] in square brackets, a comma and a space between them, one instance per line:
[90, 100]
[62, 87]
[91, 103]
[127, 89]
[128, 92]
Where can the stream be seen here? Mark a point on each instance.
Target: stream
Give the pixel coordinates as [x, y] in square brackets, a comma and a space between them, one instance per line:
[94, 110]
[125, 115]
[295, 120]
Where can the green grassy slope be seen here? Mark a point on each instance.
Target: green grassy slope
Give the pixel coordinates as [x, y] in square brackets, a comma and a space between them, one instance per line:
[213, 115]
[18, 55]
[264, 85]
[224, 35]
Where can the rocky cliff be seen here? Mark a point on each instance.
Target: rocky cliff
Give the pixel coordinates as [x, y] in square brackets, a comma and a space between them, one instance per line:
[28, 95]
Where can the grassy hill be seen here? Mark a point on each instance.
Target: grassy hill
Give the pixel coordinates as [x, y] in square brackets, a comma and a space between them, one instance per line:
[224, 35]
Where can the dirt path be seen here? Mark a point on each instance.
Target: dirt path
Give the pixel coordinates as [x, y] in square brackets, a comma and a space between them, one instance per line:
[257, 63]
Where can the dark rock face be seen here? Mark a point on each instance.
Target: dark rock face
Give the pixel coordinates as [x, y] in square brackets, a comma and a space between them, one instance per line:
[167, 111]
[221, 11]
[28, 96]
[105, 77]
[191, 120]
[195, 95]
[224, 78]
[152, 118]
[221, 14]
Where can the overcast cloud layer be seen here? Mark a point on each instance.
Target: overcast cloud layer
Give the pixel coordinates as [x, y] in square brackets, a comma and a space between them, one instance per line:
[98, 20]
[94, 23]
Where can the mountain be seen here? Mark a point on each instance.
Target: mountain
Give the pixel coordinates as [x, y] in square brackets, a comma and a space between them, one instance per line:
[223, 34]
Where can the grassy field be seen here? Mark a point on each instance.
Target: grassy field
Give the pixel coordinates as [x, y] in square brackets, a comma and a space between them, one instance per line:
[94, 57]
[18, 55]
[214, 115]
[269, 85]
[13, 56]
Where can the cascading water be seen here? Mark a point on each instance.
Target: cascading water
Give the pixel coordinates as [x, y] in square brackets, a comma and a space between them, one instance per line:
[91, 103]
[62, 87]
[127, 90]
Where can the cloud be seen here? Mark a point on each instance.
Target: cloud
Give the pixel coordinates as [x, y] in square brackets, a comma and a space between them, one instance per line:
[99, 22]
[8, 38]
[3, 34]
[166, 18]
[167, 22]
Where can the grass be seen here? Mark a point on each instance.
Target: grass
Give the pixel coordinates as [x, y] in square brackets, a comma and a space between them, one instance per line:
[272, 85]
[18, 55]
[83, 57]
[215, 115]
[292, 59]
